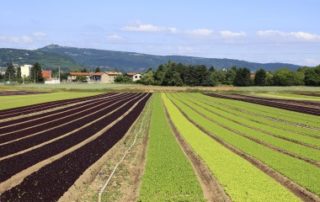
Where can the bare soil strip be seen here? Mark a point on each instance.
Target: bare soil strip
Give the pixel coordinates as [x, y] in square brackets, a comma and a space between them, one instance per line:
[19, 92]
[18, 178]
[212, 190]
[293, 102]
[298, 190]
[288, 105]
[68, 168]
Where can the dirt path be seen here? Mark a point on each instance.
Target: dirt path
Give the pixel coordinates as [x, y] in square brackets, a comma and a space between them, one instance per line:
[124, 185]
[211, 188]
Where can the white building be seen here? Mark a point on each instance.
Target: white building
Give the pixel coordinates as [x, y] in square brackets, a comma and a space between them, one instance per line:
[25, 70]
[134, 76]
[94, 77]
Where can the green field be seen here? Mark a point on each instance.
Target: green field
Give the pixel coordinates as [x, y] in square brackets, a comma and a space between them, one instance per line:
[301, 172]
[241, 180]
[168, 174]
[239, 143]
[13, 101]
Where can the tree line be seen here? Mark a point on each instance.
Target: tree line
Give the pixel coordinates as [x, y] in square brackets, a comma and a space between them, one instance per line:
[177, 74]
[13, 74]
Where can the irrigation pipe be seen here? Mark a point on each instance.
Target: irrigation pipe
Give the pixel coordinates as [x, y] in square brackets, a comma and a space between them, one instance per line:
[121, 160]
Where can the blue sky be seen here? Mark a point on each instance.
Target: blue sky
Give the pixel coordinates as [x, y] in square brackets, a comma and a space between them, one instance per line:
[254, 30]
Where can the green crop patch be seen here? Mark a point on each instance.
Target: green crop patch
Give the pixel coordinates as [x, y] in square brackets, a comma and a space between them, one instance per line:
[241, 180]
[302, 173]
[7, 102]
[168, 174]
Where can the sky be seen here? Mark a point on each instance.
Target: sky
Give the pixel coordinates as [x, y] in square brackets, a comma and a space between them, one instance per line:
[253, 30]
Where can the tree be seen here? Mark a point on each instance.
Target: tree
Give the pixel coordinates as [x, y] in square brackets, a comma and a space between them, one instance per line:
[19, 78]
[84, 70]
[36, 73]
[269, 79]
[217, 77]
[260, 77]
[312, 76]
[98, 69]
[286, 77]
[242, 77]
[172, 78]
[230, 75]
[123, 79]
[159, 74]
[10, 74]
[147, 78]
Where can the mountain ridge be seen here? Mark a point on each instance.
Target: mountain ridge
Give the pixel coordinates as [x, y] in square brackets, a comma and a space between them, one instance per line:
[71, 58]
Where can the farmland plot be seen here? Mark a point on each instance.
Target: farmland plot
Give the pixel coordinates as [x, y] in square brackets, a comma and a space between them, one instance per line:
[168, 174]
[296, 162]
[48, 151]
[239, 178]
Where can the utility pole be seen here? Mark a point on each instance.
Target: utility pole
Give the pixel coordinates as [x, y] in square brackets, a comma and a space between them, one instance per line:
[59, 75]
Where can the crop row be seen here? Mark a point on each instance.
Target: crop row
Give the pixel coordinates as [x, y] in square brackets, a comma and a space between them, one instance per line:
[11, 166]
[8, 113]
[32, 127]
[274, 117]
[66, 170]
[45, 116]
[252, 130]
[302, 173]
[168, 175]
[288, 105]
[286, 115]
[240, 179]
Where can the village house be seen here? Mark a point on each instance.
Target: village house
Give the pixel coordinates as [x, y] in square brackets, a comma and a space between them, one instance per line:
[134, 76]
[25, 70]
[94, 77]
[46, 74]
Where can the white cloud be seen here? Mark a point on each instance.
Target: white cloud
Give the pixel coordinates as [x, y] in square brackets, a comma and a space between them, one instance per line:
[22, 39]
[201, 32]
[139, 27]
[114, 37]
[312, 61]
[226, 34]
[39, 34]
[16, 39]
[300, 36]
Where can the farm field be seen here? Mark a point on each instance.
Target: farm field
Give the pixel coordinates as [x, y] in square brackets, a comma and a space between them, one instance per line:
[179, 146]
[308, 107]
[266, 149]
[13, 101]
[310, 96]
[36, 153]
[167, 177]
